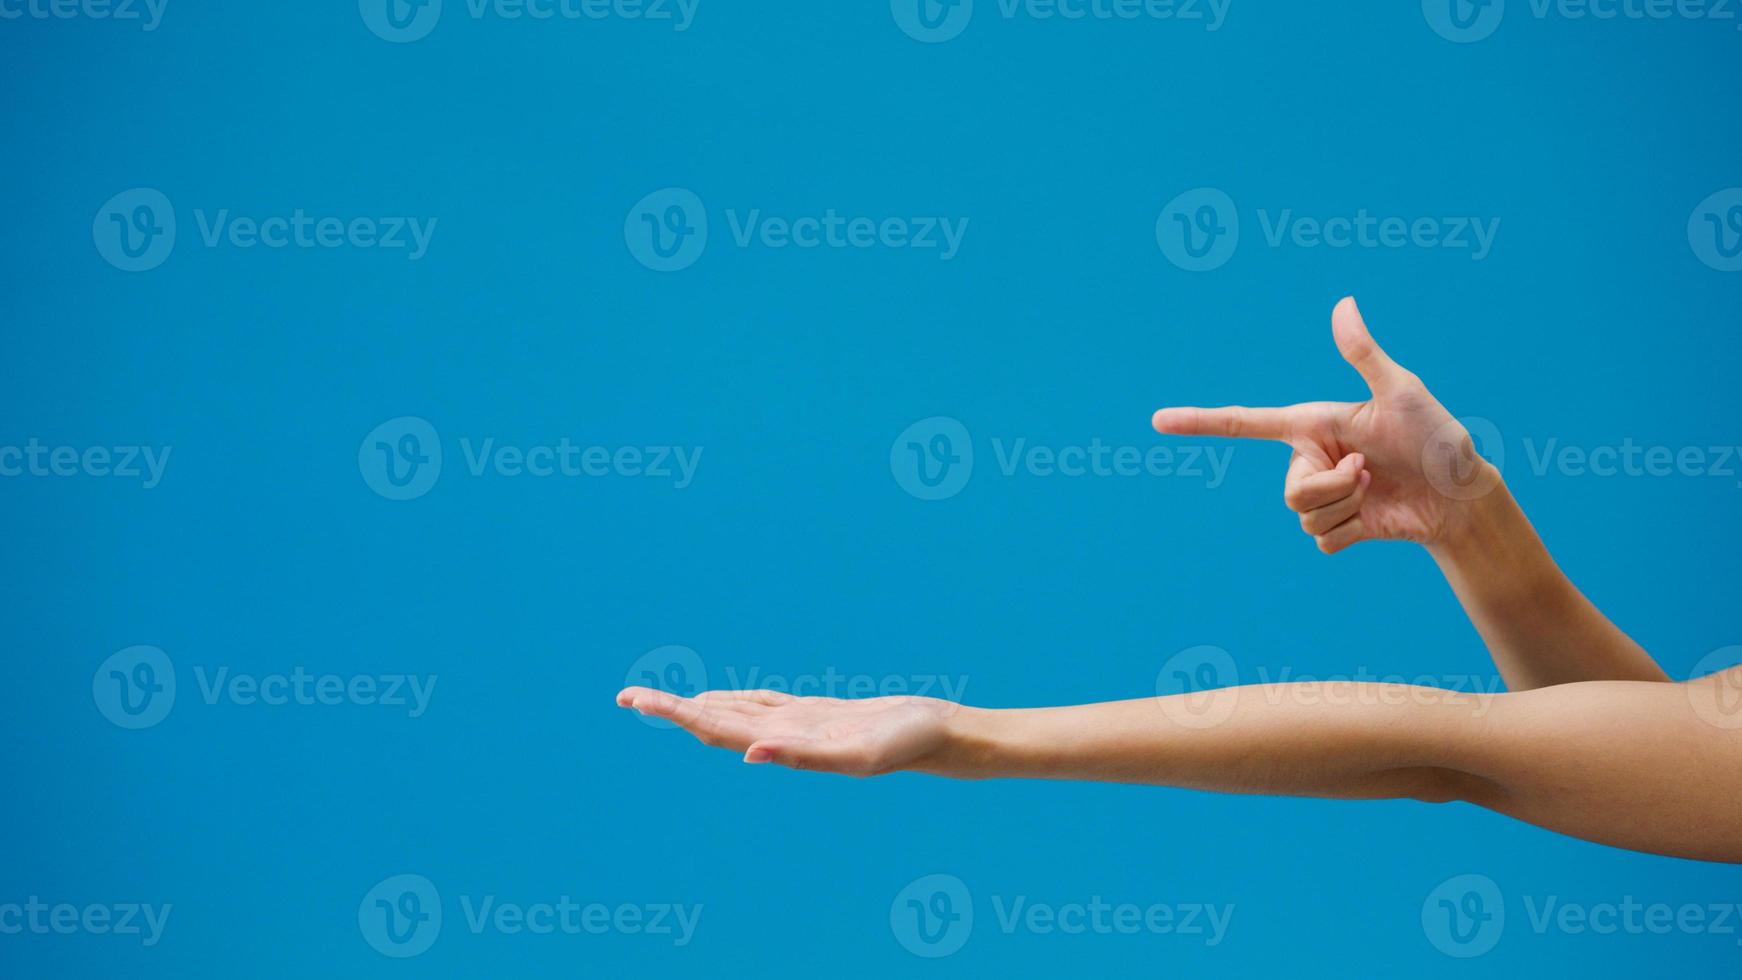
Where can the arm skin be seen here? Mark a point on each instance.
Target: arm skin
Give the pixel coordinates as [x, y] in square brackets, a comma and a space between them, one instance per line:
[1625, 763]
[1539, 628]
[1399, 467]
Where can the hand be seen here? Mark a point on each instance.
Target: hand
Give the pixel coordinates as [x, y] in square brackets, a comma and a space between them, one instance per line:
[1396, 467]
[866, 737]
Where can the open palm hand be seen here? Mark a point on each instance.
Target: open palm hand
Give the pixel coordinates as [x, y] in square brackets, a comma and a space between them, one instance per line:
[865, 737]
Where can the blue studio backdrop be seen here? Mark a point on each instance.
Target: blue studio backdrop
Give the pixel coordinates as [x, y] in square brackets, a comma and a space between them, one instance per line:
[386, 384]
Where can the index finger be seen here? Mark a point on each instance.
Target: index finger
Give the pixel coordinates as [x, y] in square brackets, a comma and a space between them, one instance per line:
[1233, 422]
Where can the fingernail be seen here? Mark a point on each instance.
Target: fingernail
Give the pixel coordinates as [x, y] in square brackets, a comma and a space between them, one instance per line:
[1366, 478]
[757, 756]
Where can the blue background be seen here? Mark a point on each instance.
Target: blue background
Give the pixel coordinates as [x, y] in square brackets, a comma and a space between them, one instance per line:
[795, 550]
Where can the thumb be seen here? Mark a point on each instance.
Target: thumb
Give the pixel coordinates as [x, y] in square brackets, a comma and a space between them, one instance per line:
[1361, 351]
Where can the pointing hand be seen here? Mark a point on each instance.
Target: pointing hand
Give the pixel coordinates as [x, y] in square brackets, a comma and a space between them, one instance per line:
[1396, 467]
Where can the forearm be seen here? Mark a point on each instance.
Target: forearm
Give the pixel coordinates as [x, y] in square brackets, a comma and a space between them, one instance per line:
[1628, 764]
[1332, 739]
[1540, 629]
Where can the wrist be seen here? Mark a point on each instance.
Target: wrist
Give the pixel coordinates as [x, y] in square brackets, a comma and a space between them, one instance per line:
[1479, 515]
[968, 748]
[1490, 545]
